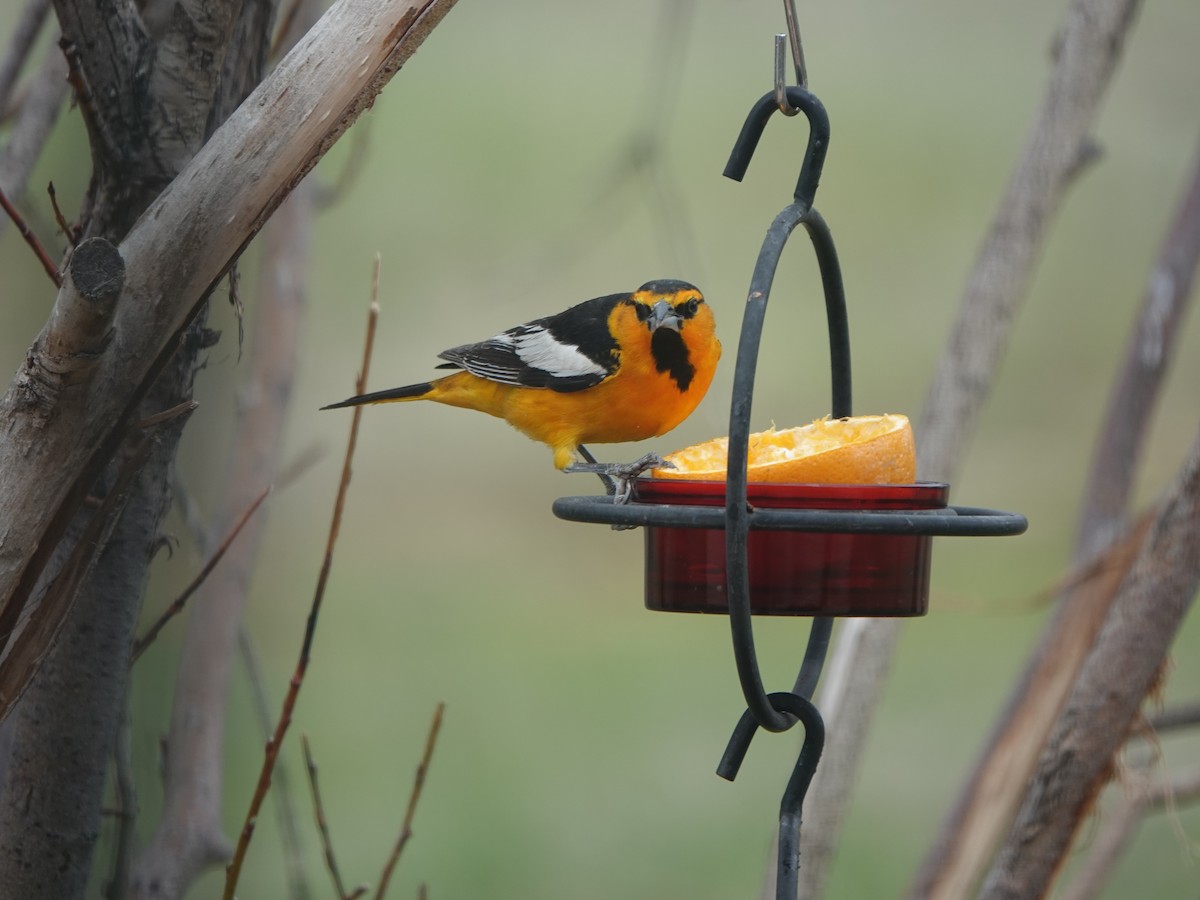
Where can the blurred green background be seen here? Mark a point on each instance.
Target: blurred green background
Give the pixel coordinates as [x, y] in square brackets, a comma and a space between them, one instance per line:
[581, 732]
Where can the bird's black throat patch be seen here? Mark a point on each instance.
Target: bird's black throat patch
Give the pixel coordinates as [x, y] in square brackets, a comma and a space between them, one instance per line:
[671, 356]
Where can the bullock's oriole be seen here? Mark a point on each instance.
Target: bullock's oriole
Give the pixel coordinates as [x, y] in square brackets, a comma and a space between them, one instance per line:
[619, 368]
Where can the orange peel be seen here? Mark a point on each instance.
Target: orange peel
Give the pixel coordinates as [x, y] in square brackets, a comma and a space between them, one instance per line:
[854, 450]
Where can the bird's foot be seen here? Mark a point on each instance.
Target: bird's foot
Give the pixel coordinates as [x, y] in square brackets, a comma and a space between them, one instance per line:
[618, 478]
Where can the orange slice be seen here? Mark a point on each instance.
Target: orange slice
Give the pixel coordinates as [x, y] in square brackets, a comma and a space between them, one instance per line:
[855, 450]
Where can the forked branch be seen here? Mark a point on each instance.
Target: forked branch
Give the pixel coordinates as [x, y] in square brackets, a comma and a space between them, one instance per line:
[271, 755]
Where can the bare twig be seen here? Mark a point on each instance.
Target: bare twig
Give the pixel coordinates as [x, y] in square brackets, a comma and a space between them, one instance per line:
[233, 872]
[85, 100]
[322, 823]
[284, 38]
[285, 809]
[39, 250]
[32, 126]
[413, 798]
[239, 308]
[173, 412]
[1122, 667]
[1185, 715]
[1119, 825]
[1100, 567]
[70, 232]
[1148, 357]
[239, 176]
[189, 835]
[177, 605]
[22, 41]
[1091, 44]
[994, 792]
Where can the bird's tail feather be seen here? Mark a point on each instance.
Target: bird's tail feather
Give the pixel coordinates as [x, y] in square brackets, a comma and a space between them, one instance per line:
[392, 395]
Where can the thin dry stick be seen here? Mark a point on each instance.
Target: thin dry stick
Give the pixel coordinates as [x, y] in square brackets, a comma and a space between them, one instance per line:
[322, 823]
[289, 834]
[239, 308]
[189, 836]
[418, 784]
[1090, 46]
[31, 239]
[31, 126]
[176, 607]
[283, 30]
[1123, 666]
[234, 870]
[167, 414]
[1184, 715]
[71, 233]
[1121, 823]
[992, 795]
[1148, 355]
[19, 45]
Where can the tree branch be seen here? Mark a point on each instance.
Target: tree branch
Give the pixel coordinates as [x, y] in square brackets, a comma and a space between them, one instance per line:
[179, 249]
[177, 605]
[189, 837]
[994, 791]
[1090, 47]
[191, 824]
[33, 16]
[1148, 357]
[414, 797]
[35, 244]
[32, 126]
[1122, 668]
[234, 869]
[285, 808]
[322, 823]
[1120, 825]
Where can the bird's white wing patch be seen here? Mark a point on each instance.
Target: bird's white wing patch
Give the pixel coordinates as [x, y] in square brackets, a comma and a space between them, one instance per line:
[539, 349]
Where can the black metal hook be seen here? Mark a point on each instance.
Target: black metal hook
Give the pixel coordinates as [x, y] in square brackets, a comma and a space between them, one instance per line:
[814, 155]
[790, 806]
[736, 510]
[779, 711]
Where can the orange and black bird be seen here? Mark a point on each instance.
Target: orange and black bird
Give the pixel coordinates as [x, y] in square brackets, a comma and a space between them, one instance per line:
[624, 367]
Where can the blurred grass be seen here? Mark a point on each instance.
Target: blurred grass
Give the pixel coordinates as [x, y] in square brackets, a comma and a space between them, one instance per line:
[581, 732]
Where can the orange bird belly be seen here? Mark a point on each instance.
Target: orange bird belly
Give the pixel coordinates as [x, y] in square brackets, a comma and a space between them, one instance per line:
[637, 402]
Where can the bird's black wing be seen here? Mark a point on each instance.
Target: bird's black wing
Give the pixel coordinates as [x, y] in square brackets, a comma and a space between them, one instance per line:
[566, 352]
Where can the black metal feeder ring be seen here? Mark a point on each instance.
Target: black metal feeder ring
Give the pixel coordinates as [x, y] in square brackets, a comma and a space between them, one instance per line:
[799, 562]
[952, 521]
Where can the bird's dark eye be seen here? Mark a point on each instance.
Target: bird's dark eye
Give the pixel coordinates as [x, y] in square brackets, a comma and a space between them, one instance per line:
[691, 306]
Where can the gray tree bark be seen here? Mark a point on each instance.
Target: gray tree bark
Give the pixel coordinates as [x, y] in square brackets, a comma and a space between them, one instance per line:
[205, 62]
[178, 211]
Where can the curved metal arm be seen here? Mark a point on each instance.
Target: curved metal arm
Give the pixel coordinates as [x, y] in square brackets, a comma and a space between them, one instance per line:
[737, 515]
[788, 865]
[814, 155]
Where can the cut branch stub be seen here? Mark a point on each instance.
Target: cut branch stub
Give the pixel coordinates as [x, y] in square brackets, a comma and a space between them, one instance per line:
[82, 320]
[80, 326]
[181, 247]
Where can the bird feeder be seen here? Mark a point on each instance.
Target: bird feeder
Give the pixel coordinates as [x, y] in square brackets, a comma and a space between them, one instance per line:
[786, 549]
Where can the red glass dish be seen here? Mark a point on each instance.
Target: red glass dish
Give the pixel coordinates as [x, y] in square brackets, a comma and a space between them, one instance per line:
[792, 572]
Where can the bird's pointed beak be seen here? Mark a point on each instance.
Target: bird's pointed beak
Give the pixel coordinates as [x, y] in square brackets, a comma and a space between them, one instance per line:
[663, 315]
